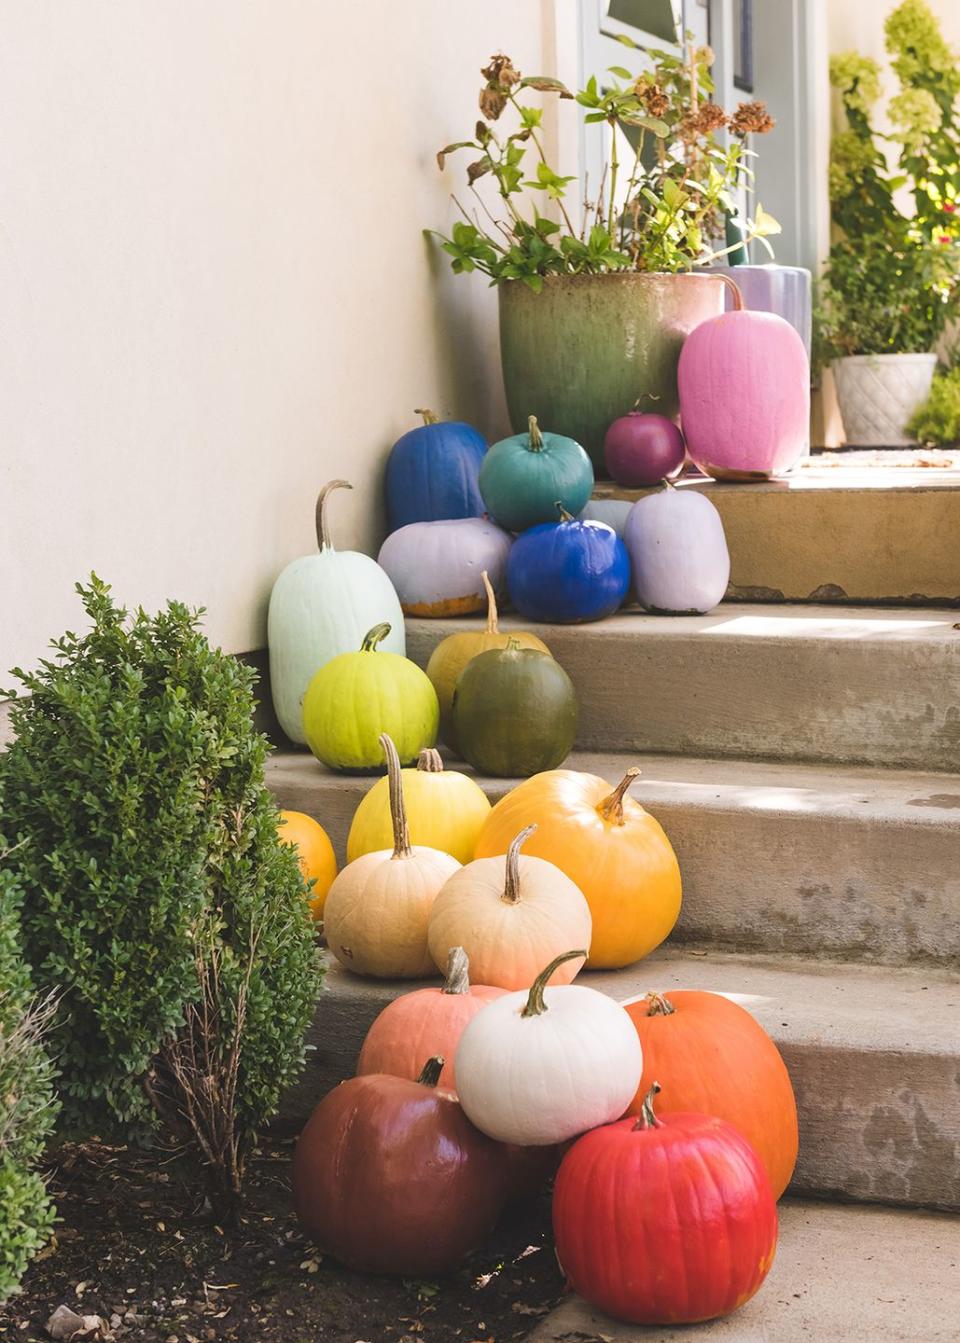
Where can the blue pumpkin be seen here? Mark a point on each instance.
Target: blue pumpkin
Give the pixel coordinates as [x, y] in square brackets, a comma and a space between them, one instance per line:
[522, 478]
[568, 571]
[433, 472]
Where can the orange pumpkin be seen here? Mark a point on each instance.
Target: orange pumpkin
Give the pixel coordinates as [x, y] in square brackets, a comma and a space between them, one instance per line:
[608, 845]
[712, 1057]
[318, 862]
[425, 1023]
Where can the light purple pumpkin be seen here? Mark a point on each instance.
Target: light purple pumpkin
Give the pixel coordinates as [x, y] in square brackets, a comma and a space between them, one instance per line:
[436, 566]
[678, 552]
[744, 381]
[639, 449]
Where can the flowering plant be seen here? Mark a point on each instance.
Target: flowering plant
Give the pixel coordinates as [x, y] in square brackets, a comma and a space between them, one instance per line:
[662, 209]
[891, 281]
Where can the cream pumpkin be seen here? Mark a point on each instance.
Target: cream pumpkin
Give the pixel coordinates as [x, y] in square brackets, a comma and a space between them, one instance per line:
[511, 914]
[377, 910]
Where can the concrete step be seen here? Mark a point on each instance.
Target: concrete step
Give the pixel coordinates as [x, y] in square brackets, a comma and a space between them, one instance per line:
[796, 858]
[843, 1274]
[842, 532]
[838, 684]
[873, 1051]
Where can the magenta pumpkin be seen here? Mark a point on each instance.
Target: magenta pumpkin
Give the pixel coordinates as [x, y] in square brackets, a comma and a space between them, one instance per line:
[744, 381]
[642, 450]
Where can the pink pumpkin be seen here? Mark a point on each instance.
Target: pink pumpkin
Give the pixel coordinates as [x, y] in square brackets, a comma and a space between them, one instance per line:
[744, 381]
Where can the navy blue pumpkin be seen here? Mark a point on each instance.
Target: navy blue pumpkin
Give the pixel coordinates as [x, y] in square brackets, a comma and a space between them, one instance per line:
[568, 571]
[432, 473]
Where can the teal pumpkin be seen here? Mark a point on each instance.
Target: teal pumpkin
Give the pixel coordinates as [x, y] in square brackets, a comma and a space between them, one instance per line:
[358, 696]
[514, 712]
[523, 478]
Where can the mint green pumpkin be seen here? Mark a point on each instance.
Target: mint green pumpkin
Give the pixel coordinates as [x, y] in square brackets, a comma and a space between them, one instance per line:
[357, 696]
[524, 478]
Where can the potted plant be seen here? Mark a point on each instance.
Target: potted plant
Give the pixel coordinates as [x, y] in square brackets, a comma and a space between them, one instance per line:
[595, 303]
[890, 285]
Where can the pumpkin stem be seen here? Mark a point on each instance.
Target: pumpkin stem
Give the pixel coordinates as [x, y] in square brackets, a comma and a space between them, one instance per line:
[492, 612]
[430, 761]
[667, 484]
[398, 810]
[536, 437]
[429, 417]
[535, 1005]
[458, 972]
[735, 290]
[511, 884]
[323, 536]
[611, 808]
[373, 637]
[564, 515]
[430, 1073]
[658, 1005]
[647, 1119]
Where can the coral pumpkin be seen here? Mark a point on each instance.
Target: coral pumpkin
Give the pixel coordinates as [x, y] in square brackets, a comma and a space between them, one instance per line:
[318, 862]
[710, 1055]
[377, 910]
[511, 915]
[424, 1023]
[390, 1176]
[666, 1219]
[453, 653]
[605, 842]
[446, 810]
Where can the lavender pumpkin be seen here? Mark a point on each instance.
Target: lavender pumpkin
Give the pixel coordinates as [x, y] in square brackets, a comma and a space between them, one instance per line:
[678, 552]
[744, 381]
[437, 567]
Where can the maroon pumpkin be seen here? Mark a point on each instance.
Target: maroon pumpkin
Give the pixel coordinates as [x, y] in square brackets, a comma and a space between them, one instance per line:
[390, 1176]
[664, 1221]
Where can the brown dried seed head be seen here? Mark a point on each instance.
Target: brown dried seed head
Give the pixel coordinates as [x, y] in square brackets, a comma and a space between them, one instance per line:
[492, 103]
[751, 118]
[501, 73]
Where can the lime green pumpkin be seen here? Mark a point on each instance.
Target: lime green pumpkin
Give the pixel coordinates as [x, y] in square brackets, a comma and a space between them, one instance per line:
[514, 712]
[524, 478]
[356, 697]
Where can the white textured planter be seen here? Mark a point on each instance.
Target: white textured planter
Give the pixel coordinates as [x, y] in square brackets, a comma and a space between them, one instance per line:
[878, 393]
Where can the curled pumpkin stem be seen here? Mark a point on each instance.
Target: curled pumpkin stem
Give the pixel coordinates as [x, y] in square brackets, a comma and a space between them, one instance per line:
[492, 613]
[374, 637]
[398, 810]
[430, 761]
[611, 808]
[535, 1005]
[511, 881]
[429, 416]
[647, 1119]
[430, 1073]
[658, 1005]
[536, 437]
[458, 972]
[323, 535]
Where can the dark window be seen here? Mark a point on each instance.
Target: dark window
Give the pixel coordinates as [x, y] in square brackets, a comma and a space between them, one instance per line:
[743, 45]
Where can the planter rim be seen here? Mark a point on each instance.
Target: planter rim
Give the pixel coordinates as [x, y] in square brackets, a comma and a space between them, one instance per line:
[902, 357]
[644, 276]
[760, 265]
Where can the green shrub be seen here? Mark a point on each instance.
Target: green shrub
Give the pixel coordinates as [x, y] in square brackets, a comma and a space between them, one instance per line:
[161, 901]
[27, 1110]
[937, 422]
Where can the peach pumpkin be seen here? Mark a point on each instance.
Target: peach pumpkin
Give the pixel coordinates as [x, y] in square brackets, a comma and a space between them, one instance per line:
[605, 842]
[712, 1057]
[424, 1024]
[318, 862]
[511, 914]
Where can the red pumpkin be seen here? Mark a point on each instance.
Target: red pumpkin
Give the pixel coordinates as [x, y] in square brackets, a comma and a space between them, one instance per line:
[664, 1221]
[390, 1176]
[708, 1054]
[426, 1022]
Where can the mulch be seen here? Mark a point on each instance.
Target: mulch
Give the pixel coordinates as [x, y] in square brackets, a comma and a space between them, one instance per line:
[133, 1247]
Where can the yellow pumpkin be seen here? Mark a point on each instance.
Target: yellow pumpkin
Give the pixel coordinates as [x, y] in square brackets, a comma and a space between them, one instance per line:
[445, 810]
[453, 653]
[604, 841]
[511, 915]
[375, 917]
[318, 862]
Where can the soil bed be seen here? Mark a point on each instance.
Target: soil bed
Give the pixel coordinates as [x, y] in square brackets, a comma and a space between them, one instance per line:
[133, 1247]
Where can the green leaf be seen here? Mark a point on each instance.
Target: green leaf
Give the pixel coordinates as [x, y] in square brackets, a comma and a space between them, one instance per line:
[545, 84]
[449, 149]
[654, 124]
[620, 71]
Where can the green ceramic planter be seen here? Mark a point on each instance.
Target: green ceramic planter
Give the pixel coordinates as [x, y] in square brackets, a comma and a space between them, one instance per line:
[587, 347]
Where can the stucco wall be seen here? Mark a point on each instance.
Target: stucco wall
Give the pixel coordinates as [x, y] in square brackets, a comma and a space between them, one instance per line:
[216, 294]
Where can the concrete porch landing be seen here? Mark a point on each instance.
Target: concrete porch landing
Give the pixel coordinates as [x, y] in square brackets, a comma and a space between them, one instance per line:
[838, 529]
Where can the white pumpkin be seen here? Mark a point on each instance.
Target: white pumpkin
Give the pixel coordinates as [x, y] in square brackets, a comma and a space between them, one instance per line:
[376, 912]
[437, 567]
[511, 914]
[678, 552]
[321, 606]
[540, 1067]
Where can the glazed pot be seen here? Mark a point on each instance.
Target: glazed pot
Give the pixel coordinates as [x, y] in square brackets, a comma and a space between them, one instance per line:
[878, 393]
[588, 347]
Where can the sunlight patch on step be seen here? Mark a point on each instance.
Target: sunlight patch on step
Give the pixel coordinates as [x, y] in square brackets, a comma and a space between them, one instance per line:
[834, 627]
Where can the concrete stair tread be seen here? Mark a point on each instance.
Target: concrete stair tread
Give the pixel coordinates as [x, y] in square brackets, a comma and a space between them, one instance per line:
[845, 1272]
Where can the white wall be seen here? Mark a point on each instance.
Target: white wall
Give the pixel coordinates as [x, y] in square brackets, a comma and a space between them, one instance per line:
[215, 291]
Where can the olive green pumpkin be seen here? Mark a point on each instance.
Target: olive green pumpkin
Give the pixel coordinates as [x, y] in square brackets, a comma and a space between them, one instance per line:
[356, 697]
[514, 712]
[453, 653]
